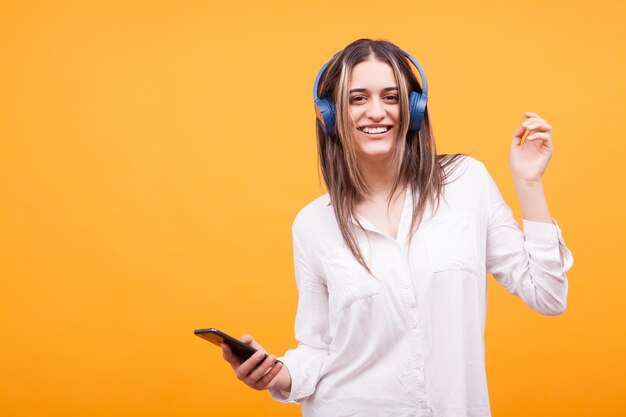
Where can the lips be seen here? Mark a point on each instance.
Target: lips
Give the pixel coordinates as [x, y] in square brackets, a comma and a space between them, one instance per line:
[374, 129]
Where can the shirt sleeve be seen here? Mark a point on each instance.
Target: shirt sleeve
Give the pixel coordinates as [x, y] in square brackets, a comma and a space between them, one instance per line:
[530, 265]
[305, 362]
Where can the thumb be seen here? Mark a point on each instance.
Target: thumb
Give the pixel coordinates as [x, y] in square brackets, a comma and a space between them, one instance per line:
[249, 340]
[227, 354]
[518, 135]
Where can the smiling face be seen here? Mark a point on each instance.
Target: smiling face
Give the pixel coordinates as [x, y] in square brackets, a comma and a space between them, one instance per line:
[374, 109]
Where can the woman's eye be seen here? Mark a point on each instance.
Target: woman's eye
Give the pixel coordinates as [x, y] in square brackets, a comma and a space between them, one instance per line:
[357, 99]
[392, 98]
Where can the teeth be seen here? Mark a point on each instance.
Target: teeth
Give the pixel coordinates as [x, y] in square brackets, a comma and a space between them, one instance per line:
[374, 129]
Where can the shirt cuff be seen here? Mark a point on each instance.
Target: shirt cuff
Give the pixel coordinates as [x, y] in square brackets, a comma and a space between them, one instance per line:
[540, 232]
[549, 234]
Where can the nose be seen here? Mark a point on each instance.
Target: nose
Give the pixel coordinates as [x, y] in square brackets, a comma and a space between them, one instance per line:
[376, 109]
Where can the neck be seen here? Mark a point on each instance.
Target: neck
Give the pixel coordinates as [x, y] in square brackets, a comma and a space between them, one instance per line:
[378, 176]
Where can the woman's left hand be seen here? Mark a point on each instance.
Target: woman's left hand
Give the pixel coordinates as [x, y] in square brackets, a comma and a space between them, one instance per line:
[529, 160]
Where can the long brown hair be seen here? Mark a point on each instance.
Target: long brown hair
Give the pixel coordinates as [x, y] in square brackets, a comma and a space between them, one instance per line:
[415, 159]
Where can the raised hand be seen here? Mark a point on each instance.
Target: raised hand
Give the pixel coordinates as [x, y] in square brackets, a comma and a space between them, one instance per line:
[529, 159]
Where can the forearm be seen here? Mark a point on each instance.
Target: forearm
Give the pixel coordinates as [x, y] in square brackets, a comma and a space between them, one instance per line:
[532, 201]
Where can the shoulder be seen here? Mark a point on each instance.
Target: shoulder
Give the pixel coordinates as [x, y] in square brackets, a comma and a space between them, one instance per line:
[467, 182]
[313, 215]
[313, 230]
[465, 168]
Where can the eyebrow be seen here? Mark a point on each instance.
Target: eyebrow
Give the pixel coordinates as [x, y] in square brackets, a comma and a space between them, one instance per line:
[363, 90]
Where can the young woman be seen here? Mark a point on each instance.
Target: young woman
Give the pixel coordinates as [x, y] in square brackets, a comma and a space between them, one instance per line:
[391, 264]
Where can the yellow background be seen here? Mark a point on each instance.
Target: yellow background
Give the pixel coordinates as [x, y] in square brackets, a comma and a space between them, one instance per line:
[154, 154]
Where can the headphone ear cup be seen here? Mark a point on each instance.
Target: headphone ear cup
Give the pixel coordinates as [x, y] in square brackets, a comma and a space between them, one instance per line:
[417, 107]
[325, 112]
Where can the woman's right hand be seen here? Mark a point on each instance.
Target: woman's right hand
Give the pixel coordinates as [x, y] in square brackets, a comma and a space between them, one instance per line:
[262, 377]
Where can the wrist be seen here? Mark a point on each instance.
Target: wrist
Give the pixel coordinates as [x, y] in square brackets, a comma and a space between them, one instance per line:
[283, 381]
[525, 183]
[532, 200]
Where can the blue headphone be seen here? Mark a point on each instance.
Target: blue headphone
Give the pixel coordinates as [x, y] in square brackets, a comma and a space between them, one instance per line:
[325, 109]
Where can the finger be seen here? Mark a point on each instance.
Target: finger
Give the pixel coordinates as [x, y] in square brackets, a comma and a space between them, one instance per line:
[227, 354]
[249, 340]
[541, 144]
[518, 135]
[532, 120]
[538, 126]
[539, 135]
[269, 380]
[529, 118]
[245, 368]
[533, 117]
[531, 114]
[255, 376]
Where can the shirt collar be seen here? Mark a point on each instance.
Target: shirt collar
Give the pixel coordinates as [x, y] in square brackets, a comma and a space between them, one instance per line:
[405, 218]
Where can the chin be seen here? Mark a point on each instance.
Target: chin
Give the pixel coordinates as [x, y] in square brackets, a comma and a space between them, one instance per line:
[376, 152]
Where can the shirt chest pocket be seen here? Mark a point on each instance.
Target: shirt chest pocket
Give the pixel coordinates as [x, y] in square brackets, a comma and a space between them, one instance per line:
[451, 243]
[348, 282]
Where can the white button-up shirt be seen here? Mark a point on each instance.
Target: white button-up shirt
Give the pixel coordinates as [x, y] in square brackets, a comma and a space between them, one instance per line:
[410, 342]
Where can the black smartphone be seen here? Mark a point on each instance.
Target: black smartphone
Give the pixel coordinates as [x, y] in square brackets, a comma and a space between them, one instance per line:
[239, 349]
